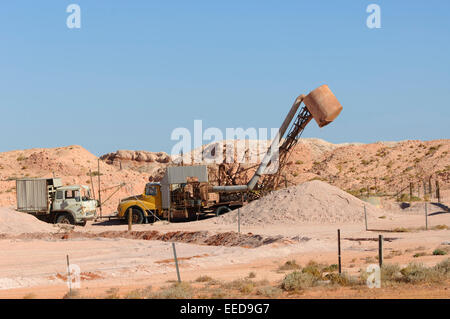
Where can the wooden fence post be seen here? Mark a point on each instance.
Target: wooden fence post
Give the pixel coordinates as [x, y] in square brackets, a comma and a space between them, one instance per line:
[130, 219]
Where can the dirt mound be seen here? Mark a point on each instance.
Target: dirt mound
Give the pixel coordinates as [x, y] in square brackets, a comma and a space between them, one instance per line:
[310, 202]
[13, 222]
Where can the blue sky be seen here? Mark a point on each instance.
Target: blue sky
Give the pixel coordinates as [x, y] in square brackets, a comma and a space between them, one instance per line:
[138, 69]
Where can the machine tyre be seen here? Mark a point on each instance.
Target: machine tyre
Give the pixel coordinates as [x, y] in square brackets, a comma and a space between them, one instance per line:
[137, 217]
[65, 218]
[222, 210]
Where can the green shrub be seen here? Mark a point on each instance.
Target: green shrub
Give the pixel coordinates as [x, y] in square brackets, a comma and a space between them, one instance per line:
[439, 252]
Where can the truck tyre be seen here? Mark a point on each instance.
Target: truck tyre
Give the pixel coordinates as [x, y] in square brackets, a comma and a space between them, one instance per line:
[137, 217]
[222, 210]
[65, 218]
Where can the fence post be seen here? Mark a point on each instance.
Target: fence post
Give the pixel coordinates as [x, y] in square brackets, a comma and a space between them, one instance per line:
[426, 216]
[176, 262]
[68, 275]
[410, 191]
[239, 220]
[438, 193]
[339, 250]
[130, 219]
[365, 216]
[380, 250]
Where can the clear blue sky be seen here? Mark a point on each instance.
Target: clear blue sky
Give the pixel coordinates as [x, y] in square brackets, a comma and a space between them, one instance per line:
[138, 69]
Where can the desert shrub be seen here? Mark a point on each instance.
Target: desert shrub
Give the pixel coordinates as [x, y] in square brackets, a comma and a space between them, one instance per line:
[29, 296]
[290, 265]
[269, 291]
[342, 279]
[419, 254]
[218, 293]
[140, 293]
[416, 273]
[246, 288]
[296, 281]
[203, 279]
[112, 293]
[332, 267]
[243, 285]
[439, 252]
[313, 269]
[252, 275]
[299, 162]
[182, 290]
[390, 272]
[443, 267]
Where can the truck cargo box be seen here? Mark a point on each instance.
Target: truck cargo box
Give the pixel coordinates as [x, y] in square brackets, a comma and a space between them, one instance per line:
[33, 193]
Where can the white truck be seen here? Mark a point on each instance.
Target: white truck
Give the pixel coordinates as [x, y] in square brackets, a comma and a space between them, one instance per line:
[50, 201]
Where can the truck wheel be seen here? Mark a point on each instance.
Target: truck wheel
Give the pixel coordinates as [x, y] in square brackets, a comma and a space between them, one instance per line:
[137, 217]
[222, 210]
[65, 219]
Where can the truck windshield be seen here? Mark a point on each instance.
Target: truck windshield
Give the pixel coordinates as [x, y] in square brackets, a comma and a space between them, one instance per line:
[150, 190]
[86, 194]
[73, 194]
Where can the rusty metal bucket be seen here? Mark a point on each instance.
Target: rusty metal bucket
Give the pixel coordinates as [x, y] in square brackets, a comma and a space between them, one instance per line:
[323, 105]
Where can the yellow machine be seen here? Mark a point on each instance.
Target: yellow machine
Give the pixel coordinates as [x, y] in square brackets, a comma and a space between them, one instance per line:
[143, 206]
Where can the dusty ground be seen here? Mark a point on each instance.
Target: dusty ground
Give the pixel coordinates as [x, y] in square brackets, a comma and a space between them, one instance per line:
[38, 266]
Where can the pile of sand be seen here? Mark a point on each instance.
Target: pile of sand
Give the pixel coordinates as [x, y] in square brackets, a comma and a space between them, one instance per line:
[13, 222]
[310, 202]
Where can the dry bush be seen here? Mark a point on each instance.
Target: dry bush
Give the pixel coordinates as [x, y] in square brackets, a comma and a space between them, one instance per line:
[243, 285]
[140, 293]
[269, 291]
[289, 265]
[418, 273]
[342, 279]
[297, 281]
[112, 293]
[443, 267]
[182, 290]
[204, 279]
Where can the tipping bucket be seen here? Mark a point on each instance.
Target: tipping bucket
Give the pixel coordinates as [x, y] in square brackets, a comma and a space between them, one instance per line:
[323, 105]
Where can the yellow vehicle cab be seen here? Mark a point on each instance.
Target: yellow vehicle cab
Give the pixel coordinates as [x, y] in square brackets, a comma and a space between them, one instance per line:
[143, 206]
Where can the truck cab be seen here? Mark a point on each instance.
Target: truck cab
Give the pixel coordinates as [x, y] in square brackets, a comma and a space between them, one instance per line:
[142, 206]
[74, 204]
